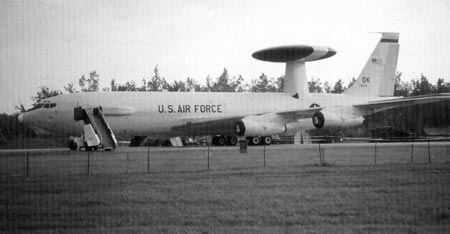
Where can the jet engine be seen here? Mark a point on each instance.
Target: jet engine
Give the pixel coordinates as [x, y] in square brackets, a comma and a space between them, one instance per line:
[251, 127]
[328, 119]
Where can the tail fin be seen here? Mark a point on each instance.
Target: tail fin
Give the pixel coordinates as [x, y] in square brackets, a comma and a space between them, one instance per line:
[378, 75]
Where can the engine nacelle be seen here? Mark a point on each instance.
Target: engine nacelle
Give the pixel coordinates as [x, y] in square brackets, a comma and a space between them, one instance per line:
[329, 119]
[251, 127]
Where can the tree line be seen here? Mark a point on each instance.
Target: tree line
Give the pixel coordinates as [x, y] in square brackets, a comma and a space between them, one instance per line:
[10, 128]
[227, 83]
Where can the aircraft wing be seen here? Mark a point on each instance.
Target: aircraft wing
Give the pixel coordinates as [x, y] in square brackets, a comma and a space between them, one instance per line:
[299, 113]
[207, 125]
[382, 105]
[225, 125]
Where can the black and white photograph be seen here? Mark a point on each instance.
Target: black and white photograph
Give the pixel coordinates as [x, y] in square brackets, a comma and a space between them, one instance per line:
[214, 116]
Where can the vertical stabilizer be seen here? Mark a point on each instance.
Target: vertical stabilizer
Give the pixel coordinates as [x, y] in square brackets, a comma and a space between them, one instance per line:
[378, 75]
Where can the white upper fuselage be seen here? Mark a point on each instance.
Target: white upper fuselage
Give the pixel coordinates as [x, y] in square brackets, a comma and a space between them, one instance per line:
[155, 113]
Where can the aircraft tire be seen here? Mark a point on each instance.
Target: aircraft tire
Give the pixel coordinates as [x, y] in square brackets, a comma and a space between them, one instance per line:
[255, 140]
[73, 145]
[214, 141]
[232, 140]
[136, 141]
[267, 140]
[221, 141]
[318, 120]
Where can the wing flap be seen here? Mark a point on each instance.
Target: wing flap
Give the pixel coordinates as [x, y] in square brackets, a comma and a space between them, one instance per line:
[382, 105]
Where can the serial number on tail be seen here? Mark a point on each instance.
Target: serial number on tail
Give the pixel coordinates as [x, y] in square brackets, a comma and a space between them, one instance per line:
[190, 108]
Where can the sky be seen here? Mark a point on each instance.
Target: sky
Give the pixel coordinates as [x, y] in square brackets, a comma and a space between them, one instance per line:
[54, 42]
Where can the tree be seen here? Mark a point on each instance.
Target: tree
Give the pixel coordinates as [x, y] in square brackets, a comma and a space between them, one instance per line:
[421, 86]
[192, 85]
[237, 85]
[44, 93]
[128, 86]
[143, 86]
[223, 83]
[279, 84]
[89, 84]
[441, 86]
[70, 88]
[401, 88]
[179, 86]
[315, 86]
[20, 107]
[156, 83]
[263, 84]
[326, 87]
[352, 81]
[338, 87]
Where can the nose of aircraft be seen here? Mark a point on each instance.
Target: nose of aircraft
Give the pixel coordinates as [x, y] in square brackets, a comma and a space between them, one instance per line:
[20, 118]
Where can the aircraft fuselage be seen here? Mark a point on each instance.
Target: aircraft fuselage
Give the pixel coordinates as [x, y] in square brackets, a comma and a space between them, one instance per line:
[156, 113]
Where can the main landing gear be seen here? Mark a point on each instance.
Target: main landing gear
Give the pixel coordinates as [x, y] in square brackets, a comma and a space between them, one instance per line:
[233, 140]
[224, 140]
[265, 140]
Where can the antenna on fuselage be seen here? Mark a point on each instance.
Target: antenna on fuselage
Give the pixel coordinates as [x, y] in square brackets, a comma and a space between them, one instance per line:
[295, 57]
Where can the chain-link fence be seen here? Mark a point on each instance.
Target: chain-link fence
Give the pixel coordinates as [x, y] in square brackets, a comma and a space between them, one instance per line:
[196, 159]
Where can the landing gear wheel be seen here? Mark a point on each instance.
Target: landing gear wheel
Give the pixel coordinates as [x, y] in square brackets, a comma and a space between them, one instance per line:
[318, 120]
[267, 140]
[232, 140]
[255, 140]
[88, 148]
[221, 141]
[73, 145]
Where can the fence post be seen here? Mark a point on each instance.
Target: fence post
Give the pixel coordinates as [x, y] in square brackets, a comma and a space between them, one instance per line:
[28, 163]
[208, 159]
[89, 161]
[127, 163]
[412, 153]
[320, 155]
[429, 154]
[148, 159]
[264, 155]
[375, 153]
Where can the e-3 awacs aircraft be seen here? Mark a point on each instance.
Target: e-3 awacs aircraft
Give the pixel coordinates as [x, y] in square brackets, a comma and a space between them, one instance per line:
[99, 116]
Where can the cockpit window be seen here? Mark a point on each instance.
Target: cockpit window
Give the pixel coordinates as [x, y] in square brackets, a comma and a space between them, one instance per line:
[49, 105]
[40, 105]
[37, 106]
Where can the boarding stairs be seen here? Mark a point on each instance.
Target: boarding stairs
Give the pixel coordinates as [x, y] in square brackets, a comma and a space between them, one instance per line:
[95, 117]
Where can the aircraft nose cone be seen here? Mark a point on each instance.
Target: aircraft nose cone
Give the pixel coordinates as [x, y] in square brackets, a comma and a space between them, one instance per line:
[20, 118]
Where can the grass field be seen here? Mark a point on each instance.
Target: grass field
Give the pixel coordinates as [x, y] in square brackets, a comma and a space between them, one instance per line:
[336, 199]
[61, 162]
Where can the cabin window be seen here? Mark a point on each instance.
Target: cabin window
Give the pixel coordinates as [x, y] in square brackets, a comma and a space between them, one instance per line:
[47, 105]
[52, 105]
